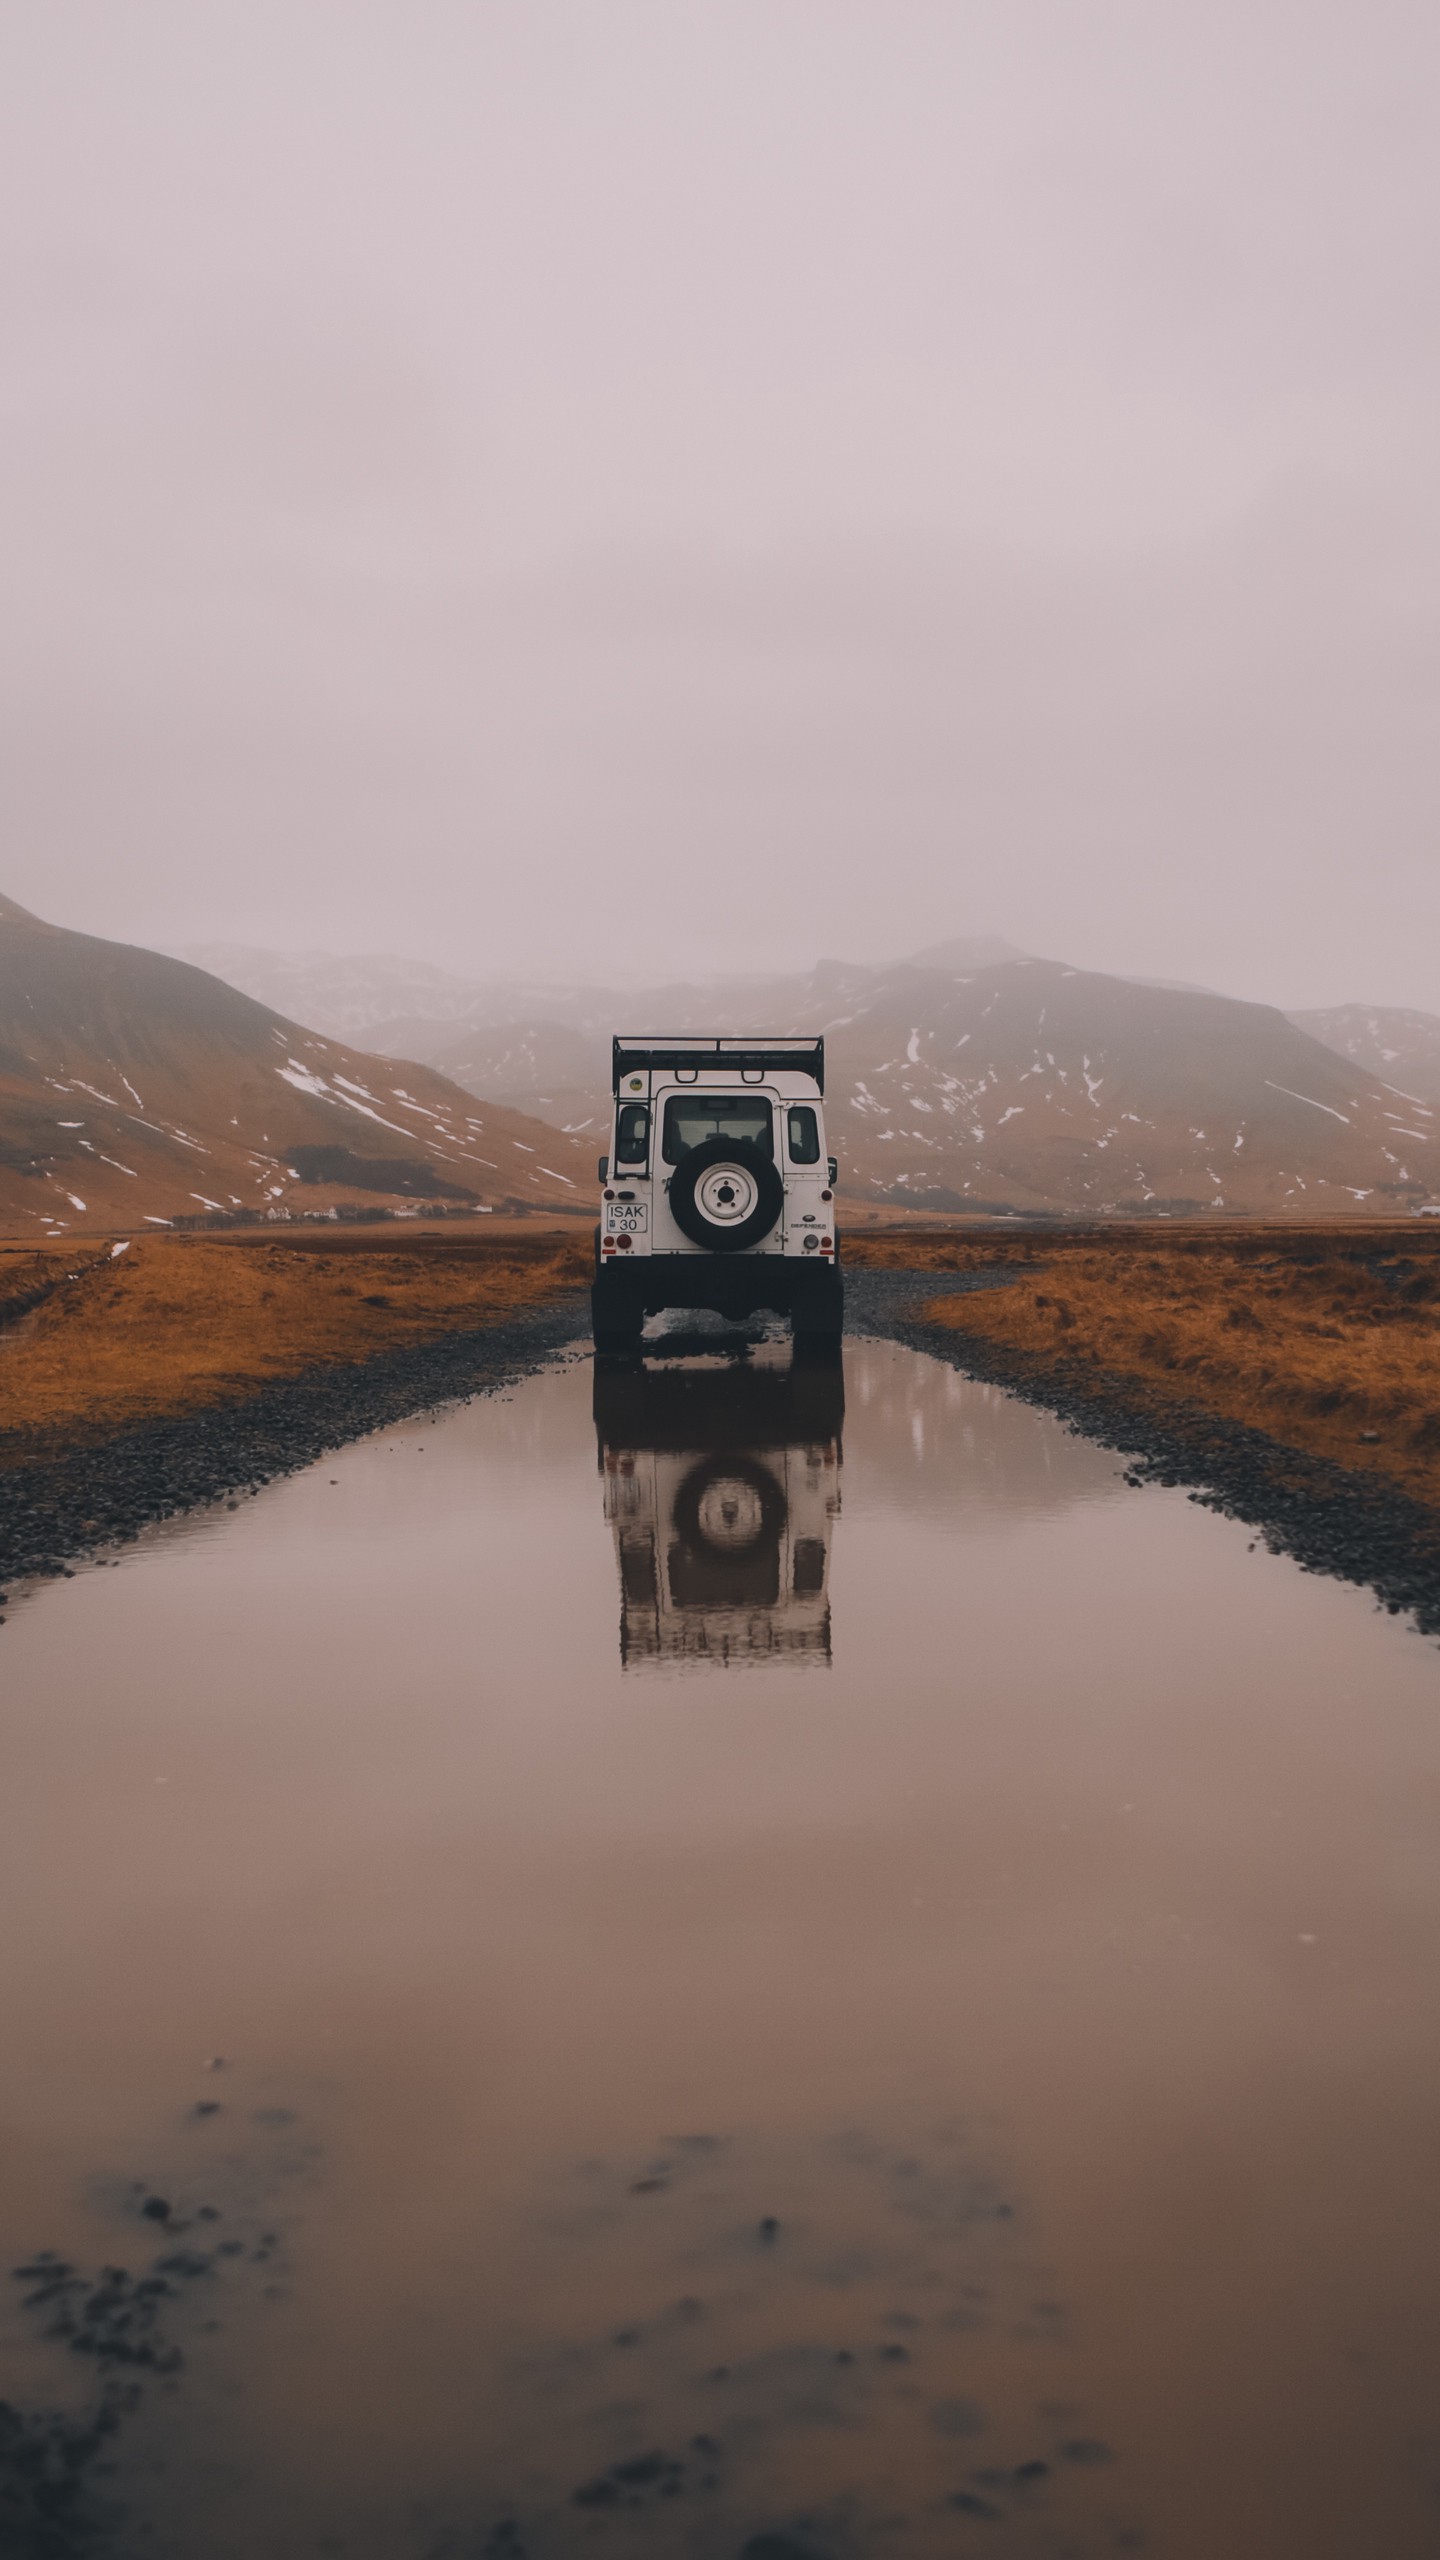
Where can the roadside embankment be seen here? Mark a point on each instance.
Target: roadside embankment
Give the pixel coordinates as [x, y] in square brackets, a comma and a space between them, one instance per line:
[135, 1384]
[1292, 1375]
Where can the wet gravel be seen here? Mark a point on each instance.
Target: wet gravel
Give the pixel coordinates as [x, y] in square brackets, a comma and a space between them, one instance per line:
[1356, 1526]
[57, 1510]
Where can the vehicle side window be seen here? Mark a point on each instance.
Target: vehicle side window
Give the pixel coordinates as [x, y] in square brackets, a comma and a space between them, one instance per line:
[690, 1118]
[632, 1133]
[802, 1131]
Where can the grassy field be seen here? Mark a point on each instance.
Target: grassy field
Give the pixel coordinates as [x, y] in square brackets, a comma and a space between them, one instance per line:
[176, 1324]
[1327, 1339]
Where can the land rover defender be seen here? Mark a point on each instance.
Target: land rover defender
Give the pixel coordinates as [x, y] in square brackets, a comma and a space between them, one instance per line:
[717, 1191]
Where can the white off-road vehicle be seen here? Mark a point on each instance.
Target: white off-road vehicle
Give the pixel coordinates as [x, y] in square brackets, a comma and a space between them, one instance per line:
[717, 1191]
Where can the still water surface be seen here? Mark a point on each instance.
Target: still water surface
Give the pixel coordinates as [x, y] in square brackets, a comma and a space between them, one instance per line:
[769, 1970]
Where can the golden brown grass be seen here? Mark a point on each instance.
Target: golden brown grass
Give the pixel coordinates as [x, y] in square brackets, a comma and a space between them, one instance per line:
[179, 1323]
[1315, 1336]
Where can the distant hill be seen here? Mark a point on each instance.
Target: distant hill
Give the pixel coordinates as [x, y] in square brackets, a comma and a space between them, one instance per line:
[1026, 1085]
[135, 1087]
[343, 997]
[559, 1074]
[972, 1076]
[1401, 1047]
[1032, 1085]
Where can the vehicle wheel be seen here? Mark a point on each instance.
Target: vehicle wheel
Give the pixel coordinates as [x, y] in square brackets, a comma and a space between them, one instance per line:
[817, 1317]
[615, 1318]
[728, 1506]
[726, 1195]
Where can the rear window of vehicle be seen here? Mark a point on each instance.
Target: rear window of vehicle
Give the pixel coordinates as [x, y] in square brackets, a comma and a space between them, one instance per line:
[802, 1131]
[632, 1133]
[690, 1118]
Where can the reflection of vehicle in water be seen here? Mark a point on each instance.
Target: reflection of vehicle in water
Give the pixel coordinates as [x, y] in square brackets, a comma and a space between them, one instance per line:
[722, 1480]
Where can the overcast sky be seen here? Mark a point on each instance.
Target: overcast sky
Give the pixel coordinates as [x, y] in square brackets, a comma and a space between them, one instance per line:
[668, 485]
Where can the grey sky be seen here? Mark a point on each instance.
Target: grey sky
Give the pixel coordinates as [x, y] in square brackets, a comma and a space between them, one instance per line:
[657, 485]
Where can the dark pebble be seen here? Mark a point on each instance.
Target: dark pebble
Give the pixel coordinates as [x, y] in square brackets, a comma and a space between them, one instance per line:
[596, 2493]
[957, 2418]
[156, 2209]
[643, 2470]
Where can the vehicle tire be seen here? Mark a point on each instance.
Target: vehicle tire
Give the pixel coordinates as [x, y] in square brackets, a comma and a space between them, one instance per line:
[726, 1195]
[616, 1317]
[728, 1507]
[817, 1317]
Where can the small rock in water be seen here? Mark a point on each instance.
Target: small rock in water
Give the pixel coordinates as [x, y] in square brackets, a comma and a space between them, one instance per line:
[156, 2209]
[958, 2418]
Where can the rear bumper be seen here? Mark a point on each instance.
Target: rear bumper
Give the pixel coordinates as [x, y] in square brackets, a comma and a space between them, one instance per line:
[728, 1284]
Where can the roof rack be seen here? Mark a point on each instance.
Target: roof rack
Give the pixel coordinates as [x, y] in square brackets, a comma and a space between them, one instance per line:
[632, 1053]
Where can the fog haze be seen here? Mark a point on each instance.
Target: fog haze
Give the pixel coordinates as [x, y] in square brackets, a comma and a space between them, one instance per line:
[664, 486]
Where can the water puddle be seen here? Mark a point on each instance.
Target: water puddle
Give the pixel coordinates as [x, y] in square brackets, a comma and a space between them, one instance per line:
[716, 1961]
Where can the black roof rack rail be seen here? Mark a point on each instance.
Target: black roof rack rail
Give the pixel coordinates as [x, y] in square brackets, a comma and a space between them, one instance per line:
[630, 1054]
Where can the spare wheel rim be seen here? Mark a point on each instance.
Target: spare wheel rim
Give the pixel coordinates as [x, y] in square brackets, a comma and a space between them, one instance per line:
[726, 1195]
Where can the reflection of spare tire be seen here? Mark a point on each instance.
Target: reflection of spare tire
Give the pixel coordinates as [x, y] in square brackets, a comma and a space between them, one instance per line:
[726, 1195]
[729, 1518]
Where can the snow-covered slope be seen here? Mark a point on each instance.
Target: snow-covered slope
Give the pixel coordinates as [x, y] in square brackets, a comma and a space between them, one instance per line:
[1034, 1085]
[134, 1087]
[1026, 1084]
[1390, 1041]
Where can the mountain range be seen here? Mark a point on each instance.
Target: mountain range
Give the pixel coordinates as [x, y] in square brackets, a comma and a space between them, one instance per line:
[969, 1077]
[976, 1075]
[135, 1088]
[1390, 1041]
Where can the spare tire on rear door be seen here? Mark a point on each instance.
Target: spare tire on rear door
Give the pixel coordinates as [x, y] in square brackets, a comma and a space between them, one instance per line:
[725, 1194]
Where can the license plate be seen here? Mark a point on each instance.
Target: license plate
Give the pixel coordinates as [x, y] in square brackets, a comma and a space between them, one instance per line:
[627, 1218]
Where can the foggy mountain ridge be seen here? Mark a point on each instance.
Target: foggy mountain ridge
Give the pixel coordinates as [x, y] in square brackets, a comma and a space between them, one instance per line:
[1027, 1086]
[1010, 1083]
[343, 996]
[1393, 1042]
[136, 1089]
